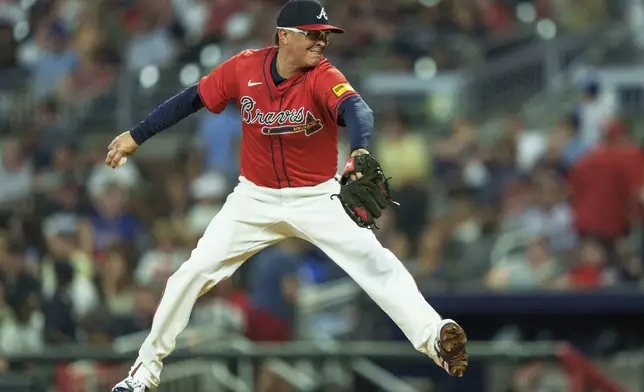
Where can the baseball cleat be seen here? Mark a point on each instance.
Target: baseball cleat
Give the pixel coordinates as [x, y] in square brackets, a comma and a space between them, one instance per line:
[449, 348]
[130, 385]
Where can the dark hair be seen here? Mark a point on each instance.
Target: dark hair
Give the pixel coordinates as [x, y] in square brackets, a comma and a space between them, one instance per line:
[64, 273]
[276, 38]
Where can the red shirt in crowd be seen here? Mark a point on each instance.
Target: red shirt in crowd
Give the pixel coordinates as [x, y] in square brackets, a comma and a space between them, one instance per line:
[604, 190]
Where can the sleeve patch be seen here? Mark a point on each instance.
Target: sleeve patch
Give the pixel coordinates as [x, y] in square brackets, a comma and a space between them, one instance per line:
[340, 89]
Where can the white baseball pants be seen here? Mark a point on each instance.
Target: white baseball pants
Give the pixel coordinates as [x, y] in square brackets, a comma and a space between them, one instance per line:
[253, 218]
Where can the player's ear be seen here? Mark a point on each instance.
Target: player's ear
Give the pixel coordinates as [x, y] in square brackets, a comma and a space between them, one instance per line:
[282, 37]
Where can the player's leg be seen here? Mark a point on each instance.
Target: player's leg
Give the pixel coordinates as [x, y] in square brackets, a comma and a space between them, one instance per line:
[384, 278]
[247, 223]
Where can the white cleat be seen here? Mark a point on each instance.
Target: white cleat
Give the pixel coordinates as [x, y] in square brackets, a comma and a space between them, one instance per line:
[130, 385]
[448, 349]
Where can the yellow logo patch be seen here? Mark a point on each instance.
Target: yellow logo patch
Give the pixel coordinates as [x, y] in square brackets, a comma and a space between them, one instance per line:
[341, 88]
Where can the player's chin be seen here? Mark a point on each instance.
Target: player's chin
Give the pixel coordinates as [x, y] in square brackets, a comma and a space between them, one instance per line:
[313, 58]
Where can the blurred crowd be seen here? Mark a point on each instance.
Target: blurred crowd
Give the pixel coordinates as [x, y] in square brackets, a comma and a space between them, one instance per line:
[85, 250]
[550, 209]
[79, 40]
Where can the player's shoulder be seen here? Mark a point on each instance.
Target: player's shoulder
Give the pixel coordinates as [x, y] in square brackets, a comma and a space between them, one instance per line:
[325, 67]
[253, 54]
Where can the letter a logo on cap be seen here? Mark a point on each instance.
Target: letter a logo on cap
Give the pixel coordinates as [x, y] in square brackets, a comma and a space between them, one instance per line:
[322, 14]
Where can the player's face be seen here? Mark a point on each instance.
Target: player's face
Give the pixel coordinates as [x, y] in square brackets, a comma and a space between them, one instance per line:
[310, 45]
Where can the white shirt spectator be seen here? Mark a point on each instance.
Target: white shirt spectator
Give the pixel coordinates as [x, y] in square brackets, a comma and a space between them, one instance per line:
[156, 266]
[555, 223]
[153, 48]
[531, 146]
[594, 116]
[22, 338]
[126, 176]
[15, 182]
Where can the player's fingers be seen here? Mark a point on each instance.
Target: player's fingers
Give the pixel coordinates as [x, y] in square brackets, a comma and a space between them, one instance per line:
[109, 157]
[113, 143]
[353, 177]
[116, 159]
[358, 175]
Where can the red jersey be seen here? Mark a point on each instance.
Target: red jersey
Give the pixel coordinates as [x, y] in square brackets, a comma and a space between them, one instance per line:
[604, 187]
[290, 131]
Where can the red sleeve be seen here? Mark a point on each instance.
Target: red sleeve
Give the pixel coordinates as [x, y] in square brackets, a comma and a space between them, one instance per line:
[220, 86]
[331, 88]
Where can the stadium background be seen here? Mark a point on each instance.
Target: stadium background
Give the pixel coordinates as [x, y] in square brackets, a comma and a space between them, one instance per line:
[511, 129]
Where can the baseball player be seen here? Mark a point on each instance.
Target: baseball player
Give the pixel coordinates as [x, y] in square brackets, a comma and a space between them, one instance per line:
[292, 101]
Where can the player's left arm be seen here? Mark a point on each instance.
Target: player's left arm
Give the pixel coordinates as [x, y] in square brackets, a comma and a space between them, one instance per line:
[346, 104]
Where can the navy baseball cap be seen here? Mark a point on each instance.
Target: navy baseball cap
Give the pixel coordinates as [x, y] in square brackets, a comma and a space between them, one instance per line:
[305, 15]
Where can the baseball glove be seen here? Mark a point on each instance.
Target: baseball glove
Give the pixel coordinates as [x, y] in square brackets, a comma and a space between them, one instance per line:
[365, 198]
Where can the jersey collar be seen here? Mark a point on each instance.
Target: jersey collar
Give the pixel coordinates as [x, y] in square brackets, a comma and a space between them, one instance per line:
[276, 92]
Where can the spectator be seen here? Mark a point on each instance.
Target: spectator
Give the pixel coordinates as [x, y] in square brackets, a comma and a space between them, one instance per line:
[151, 44]
[209, 193]
[534, 268]
[574, 145]
[452, 244]
[159, 263]
[604, 186]
[550, 215]
[530, 145]
[23, 332]
[16, 173]
[113, 223]
[60, 317]
[101, 177]
[8, 46]
[405, 156]
[219, 136]
[66, 198]
[62, 237]
[576, 18]
[18, 282]
[89, 80]
[51, 57]
[595, 111]
[391, 237]
[274, 286]
[588, 270]
[452, 153]
[145, 302]
[500, 173]
[176, 188]
[117, 284]
[215, 310]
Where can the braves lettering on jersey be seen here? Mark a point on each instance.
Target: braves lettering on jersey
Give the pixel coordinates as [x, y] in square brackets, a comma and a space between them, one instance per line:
[290, 131]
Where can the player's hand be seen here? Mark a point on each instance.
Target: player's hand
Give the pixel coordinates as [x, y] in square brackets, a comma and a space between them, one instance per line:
[355, 153]
[121, 147]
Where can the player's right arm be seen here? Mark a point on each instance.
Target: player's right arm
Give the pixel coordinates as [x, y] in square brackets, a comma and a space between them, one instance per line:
[213, 91]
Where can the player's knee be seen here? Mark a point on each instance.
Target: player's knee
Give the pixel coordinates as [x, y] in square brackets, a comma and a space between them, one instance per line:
[204, 269]
[189, 270]
[378, 253]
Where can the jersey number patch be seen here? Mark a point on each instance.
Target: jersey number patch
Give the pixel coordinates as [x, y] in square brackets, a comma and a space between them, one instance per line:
[341, 88]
